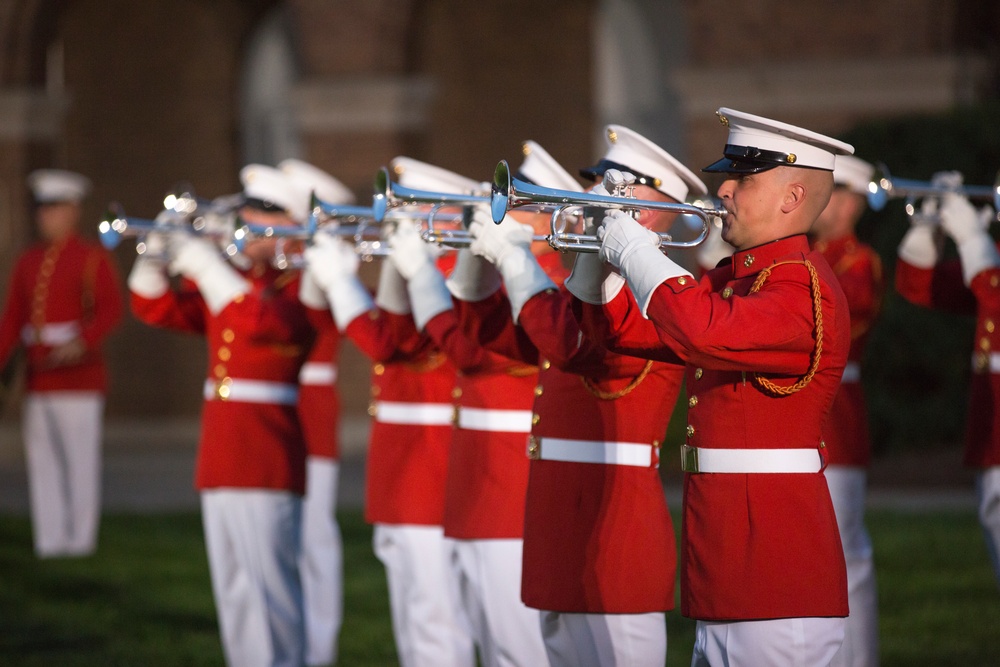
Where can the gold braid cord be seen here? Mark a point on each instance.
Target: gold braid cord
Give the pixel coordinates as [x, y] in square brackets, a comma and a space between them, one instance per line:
[612, 395]
[763, 383]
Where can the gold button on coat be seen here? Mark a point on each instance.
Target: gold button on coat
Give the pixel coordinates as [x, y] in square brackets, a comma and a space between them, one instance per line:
[690, 430]
[727, 292]
[693, 401]
[698, 373]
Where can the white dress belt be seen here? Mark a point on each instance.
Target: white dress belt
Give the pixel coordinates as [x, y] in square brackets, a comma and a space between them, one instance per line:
[638, 454]
[251, 391]
[701, 459]
[499, 421]
[852, 372]
[417, 414]
[51, 334]
[318, 373]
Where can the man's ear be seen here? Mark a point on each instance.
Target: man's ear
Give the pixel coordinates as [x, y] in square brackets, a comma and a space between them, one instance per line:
[795, 195]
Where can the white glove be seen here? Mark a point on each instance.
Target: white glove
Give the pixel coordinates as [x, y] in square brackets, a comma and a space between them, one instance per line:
[492, 241]
[967, 227]
[331, 260]
[593, 280]
[148, 277]
[634, 250]
[919, 246]
[391, 294]
[960, 220]
[310, 292]
[198, 259]
[508, 247]
[333, 265]
[410, 254]
[713, 249]
[473, 278]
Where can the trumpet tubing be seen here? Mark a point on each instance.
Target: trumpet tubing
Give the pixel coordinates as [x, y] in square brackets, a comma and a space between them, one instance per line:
[389, 195]
[510, 193]
[884, 187]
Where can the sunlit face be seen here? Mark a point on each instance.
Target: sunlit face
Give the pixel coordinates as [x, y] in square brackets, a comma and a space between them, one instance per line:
[58, 220]
[262, 250]
[753, 202]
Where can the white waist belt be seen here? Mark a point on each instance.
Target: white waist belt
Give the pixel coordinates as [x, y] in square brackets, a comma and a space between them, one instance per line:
[317, 373]
[993, 364]
[852, 372]
[700, 459]
[592, 451]
[500, 421]
[251, 391]
[51, 334]
[420, 414]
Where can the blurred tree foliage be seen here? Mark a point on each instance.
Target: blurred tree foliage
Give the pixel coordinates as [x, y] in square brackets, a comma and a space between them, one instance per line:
[918, 361]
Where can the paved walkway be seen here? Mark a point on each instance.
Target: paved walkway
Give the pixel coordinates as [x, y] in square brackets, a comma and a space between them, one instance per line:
[149, 467]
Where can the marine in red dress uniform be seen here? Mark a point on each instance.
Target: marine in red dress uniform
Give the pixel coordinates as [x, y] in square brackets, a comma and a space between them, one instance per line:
[411, 407]
[969, 286]
[848, 443]
[322, 564]
[251, 456]
[765, 340]
[599, 550]
[62, 303]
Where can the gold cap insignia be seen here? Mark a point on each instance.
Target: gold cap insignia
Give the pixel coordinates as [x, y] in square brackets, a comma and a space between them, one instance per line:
[525, 148]
[398, 168]
[612, 136]
[722, 119]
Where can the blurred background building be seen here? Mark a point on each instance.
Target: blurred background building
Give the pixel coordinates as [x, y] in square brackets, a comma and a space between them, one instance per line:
[141, 96]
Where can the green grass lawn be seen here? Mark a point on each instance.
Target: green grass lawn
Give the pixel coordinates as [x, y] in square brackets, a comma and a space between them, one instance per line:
[144, 599]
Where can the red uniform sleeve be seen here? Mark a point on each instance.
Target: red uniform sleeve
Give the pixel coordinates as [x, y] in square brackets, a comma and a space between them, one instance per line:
[770, 331]
[180, 309]
[939, 287]
[386, 337]
[861, 279]
[489, 323]
[464, 352]
[106, 312]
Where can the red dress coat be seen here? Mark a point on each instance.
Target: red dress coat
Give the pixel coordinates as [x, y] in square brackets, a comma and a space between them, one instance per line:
[407, 462]
[263, 336]
[57, 293]
[319, 398]
[754, 545]
[598, 537]
[941, 287]
[859, 271]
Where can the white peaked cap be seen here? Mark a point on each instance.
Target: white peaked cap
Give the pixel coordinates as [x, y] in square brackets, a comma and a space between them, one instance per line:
[542, 169]
[853, 173]
[757, 144]
[49, 186]
[418, 175]
[275, 188]
[312, 179]
[630, 151]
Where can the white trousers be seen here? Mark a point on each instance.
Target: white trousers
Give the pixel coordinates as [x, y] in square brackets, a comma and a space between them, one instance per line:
[252, 538]
[62, 438]
[428, 625]
[488, 575]
[321, 563]
[848, 488]
[782, 642]
[988, 498]
[605, 640]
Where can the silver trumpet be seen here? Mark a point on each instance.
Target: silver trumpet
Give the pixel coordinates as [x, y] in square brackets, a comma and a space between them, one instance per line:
[884, 187]
[510, 193]
[393, 200]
